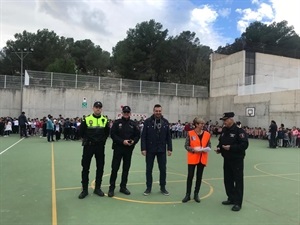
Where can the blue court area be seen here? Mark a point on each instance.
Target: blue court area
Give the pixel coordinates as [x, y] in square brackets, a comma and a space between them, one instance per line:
[40, 182]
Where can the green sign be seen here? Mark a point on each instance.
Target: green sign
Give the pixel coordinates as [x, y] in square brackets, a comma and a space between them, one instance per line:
[84, 105]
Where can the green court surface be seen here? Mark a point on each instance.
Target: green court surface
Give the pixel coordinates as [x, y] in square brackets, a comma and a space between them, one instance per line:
[40, 182]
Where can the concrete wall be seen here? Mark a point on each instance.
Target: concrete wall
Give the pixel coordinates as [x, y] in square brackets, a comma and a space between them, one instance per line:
[283, 106]
[39, 102]
[269, 67]
[10, 102]
[226, 72]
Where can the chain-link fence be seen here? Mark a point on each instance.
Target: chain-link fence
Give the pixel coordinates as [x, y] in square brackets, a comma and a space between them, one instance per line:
[11, 82]
[61, 80]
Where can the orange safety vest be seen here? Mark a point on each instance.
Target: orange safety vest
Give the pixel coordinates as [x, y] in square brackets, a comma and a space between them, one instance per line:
[193, 158]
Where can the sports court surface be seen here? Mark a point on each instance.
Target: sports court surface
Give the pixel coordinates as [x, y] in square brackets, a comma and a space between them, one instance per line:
[40, 182]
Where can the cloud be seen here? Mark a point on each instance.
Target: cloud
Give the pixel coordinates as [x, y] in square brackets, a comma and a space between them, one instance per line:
[287, 10]
[202, 21]
[75, 13]
[274, 11]
[264, 13]
[225, 12]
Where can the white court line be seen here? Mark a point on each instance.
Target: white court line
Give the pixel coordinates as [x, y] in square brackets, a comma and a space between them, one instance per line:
[11, 146]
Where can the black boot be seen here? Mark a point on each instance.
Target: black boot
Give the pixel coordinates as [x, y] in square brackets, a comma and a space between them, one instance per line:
[196, 197]
[83, 194]
[186, 198]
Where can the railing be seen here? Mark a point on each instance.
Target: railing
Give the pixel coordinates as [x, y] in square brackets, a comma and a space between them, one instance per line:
[60, 80]
[270, 84]
[12, 82]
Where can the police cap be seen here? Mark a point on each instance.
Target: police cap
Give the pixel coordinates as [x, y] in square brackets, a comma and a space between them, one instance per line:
[126, 109]
[227, 115]
[98, 104]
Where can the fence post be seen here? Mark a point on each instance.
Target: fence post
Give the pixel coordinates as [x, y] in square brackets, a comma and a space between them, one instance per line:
[5, 81]
[121, 85]
[176, 89]
[158, 88]
[298, 77]
[99, 84]
[140, 86]
[76, 82]
[193, 91]
[51, 82]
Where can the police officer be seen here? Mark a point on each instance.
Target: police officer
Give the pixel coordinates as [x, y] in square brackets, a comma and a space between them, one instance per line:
[233, 143]
[125, 135]
[94, 131]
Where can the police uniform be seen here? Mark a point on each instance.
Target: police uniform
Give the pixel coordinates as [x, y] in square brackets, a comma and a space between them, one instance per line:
[122, 129]
[94, 130]
[233, 162]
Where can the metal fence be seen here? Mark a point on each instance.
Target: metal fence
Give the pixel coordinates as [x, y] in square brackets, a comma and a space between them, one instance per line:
[272, 84]
[61, 80]
[11, 82]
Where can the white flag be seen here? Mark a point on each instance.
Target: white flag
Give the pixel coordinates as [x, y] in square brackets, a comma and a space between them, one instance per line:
[26, 82]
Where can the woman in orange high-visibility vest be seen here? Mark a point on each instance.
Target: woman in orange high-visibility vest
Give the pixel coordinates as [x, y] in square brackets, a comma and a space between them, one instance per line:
[197, 144]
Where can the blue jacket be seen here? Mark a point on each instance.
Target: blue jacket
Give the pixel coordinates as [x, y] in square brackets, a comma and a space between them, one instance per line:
[154, 139]
[49, 125]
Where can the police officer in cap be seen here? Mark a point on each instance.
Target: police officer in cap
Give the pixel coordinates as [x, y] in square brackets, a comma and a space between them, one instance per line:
[125, 135]
[94, 131]
[233, 143]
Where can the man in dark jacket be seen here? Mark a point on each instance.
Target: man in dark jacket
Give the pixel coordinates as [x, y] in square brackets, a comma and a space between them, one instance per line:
[23, 123]
[233, 143]
[155, 140]
[125, 135]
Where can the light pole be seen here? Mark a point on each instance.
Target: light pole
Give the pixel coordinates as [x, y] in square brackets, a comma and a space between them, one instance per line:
[22, 53]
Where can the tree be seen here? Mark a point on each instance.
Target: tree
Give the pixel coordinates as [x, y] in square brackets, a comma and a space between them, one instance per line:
[184, 52]
[136, 55]
[62, 65]
[47, 48]
[275, 38]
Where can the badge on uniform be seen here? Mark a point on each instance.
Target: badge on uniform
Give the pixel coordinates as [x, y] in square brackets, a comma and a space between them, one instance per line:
[91, 122]
[232, 135]
[242, 135]
[193, 138]
[120, 125]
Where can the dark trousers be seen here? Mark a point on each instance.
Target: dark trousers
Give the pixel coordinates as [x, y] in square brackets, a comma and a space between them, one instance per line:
[234, 179]
[50, 135]
[162, 165]
[118, 155]
[88, 152]
[57, 135]
[273, 141]
[189, 181]
[23, 132]
[44, 131]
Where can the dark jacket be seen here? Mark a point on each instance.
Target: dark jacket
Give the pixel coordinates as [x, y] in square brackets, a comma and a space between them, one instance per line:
[22, 120]
[124, 129]
[273, 128]
[154, 139]
[237, 139]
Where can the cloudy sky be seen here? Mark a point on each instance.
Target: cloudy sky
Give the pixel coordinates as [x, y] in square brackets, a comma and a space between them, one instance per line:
[105, 22]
